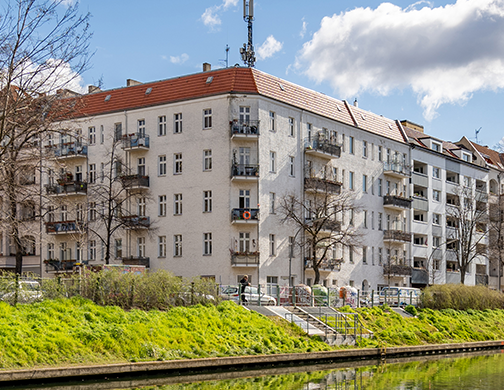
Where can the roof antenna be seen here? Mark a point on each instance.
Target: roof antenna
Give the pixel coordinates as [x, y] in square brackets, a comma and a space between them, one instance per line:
[476, 132]
[247, 51]
[226, 61]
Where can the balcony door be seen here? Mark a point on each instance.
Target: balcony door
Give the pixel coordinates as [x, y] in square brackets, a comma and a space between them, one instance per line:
[244, 199]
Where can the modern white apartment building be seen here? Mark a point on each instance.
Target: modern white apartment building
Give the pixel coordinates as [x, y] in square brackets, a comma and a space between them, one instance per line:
[202, 162]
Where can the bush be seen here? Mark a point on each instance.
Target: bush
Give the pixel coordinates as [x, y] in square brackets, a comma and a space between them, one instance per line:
[461, 297]
[411, 309]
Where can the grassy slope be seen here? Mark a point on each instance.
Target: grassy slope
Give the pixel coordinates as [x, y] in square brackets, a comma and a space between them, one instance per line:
[76, 331]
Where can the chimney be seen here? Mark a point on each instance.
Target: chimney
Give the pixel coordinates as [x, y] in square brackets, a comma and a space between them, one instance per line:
[207, 67]
[355, 103]
[93, 89]
[131, 82]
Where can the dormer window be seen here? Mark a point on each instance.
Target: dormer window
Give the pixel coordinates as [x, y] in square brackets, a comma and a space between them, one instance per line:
[436, 147]
[466, 157]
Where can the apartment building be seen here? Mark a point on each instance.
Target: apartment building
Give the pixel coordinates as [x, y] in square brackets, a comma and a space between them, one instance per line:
[197, 167]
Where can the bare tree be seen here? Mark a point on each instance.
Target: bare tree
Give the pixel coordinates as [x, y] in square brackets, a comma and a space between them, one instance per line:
[496, 233]
[321, 217]
[43, 49]
[467, 227]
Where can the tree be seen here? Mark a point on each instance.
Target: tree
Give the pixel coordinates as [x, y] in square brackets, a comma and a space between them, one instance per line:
[320, 217]
[43, 49]
[496, 231]
[467, 227]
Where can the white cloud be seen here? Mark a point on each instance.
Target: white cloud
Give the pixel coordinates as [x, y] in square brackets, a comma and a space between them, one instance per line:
[268, 48]
[303, 29]
[211, 17]
[179, 59]
[443, 54]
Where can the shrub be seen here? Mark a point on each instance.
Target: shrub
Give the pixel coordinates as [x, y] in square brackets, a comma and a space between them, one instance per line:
[411, 309]
[461, 297]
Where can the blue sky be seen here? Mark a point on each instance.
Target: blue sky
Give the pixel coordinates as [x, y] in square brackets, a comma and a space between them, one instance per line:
[436, 63]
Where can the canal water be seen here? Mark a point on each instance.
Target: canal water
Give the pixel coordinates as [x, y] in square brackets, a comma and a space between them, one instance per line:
[476, 372]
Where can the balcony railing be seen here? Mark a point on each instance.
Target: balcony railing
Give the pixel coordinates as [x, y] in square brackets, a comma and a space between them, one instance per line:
[419, 276]
[396, 235]
[136, 260]
[324, 225]
[321, 185]
[64, 227]
[396, 169]
[69, 150]
[60, 265]
[245, 170]
[135, 222]
[396, 202]
[67, 188]
[244, 129]
[399, 267]
[135, 141]
[135, 181]
[324, 265]
[245, 259]
[323, 147]
[245, 215]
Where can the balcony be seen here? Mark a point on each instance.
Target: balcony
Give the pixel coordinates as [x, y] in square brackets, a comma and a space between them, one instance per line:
[137, 141]
[396, 235]
[315, 184]
[400, 268]
[420, 203]
[420, 179]
[327, 265]
[64, 188]
[398, 170]
[321, 147]
[135, 182]
[248, 130]
[69, 150]
[60, 265]
[419, 276]
[324, 225]
[394, 202]
[135, 222]
[65, 227]
[245, 216]
[136, 260]
[245, 172]
[244, 259]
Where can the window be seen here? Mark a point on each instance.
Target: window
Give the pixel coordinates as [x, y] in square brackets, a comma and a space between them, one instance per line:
[380, 153]
[118, 248]
[244, 242]
[207, 244]
[102, 134]
[272, 117]
[272, 245]
[380, 191]
[351, 145]
[92, 173]
[162, 205]
[364, 254]
[350, 254]
[436, 219]
[207, 201]
[92, 135]
[364, 183]
[177, 163]
[364, 219]
[291, 127]
[207, 118]
[436, 147]
[162, 165]
[79, 212]
[177, 121]
[141, 204]
[364, 149]
[141, 246]
[141, 127]
[272, 202]
[102, 172]
[141, 166]
[50, 251]
[467, 181]
[272, 161]
[162, 246]
[244, 199]
[436, 172]
[436, 241]
[380, 256]
[372, 256]
[117, 131]
[436, 195]
[161, 125]
[350, 180]
[309, 131]
[291, 247]
[244, 115]
[207, 160]
[351, 217]
[177, 245]
[372, 220]
[92, 211]
[466, 157]
[291, 166]
[177, 204]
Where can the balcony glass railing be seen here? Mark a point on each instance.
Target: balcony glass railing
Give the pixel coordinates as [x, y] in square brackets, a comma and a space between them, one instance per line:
[70, 149]
[64, 227]
[137, 140]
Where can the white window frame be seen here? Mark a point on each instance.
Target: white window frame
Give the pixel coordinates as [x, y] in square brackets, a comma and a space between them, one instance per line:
[364, 149]
[292, 168]
[272, 245]
[162, 205]
[141, 127]
[351, 145]
[207, 160]
[161, 246]
[272, 119]
[207, 244]
[272, 202]
[177, 245]
[92, 173]
[272, 161]
[161, 125]
[292, 125]
[177, 204]
[92, 135]
[177, 123]
[207, 201]
[207, 118]
[162, 165]
[177, 163]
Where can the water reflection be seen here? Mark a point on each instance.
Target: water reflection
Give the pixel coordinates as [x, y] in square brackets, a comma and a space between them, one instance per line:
[483, 371]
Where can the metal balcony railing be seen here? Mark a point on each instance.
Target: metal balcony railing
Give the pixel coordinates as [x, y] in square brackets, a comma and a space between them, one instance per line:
[136, 260]
[321, 185]
[397, 201]
[64, 227]
[397, 169]
[245, 258]
[245, 214]
[325, 146]
[248, 170]
[396, 235]
[135, 222]
[67, 188]
[135, 141]
[244, 128]
[135, 181]
[70, 149]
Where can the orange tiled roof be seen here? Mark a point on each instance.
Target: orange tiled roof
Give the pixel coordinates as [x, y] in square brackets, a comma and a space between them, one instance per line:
[493, 155]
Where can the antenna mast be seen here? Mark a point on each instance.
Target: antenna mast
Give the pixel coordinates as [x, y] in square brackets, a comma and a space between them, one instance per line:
[247, 51]
[476, 132]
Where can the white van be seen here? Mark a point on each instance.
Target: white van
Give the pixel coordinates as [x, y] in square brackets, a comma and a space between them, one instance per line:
[400, 296]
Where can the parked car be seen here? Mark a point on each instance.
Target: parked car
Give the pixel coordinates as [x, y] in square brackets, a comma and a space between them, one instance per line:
[251, 295]
[28, 291]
